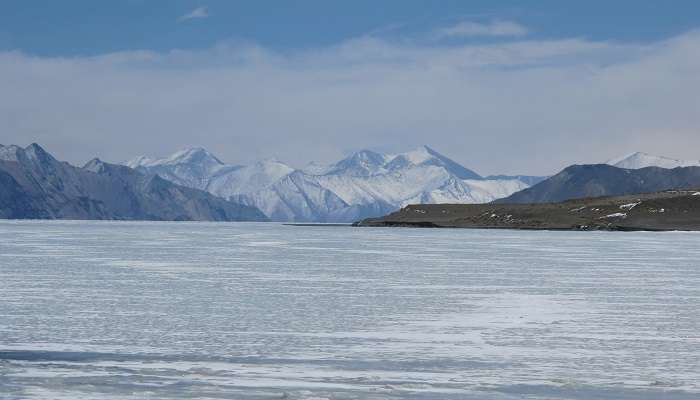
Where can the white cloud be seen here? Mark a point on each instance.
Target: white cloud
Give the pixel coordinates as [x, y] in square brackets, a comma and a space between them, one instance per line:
[199, 12]
[527, 106]
[493, 28]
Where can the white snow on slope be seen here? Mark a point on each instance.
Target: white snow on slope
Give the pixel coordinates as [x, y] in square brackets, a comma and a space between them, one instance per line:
[191, 167]
[642, 160]
[248, 179]
[10, 153]
[363, 184]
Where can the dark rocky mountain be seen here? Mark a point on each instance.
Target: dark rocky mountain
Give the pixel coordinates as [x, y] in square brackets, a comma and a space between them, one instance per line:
[35, 185]
[583, 181]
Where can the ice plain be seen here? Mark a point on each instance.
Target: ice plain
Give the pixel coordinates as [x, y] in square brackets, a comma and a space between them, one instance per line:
[133, 310]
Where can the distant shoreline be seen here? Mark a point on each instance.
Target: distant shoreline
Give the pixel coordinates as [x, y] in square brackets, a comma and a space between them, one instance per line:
[675, 210]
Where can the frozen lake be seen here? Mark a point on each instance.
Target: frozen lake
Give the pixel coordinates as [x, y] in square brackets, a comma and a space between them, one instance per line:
[122, 310]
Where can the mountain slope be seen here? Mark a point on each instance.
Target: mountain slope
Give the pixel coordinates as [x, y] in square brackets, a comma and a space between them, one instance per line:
[642, 160]
[247, 179]
[361, 185]
[15, 203]
[294, 198]
[36, 185]
[582, 181]
[425, 156]
[191, 167]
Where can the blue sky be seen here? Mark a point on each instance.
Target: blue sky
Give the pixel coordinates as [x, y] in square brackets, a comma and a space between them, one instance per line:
[88, 27]
[500, 86]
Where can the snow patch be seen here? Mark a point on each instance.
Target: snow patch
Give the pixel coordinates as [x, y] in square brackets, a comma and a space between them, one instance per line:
[615, 215]
[630, 206]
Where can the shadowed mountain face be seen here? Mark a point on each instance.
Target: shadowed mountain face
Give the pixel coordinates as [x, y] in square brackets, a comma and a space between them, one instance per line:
[36, 185]
[14, 201]
[582, 181]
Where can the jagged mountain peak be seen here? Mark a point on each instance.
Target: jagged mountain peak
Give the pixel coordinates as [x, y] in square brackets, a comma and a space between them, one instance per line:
[191, 167]
[425, 155]
[100, 167]
[37, 153]
[360, 163]
[35, 147]
[192, 155]
[368, 163]
[33, 154]
[94, 165]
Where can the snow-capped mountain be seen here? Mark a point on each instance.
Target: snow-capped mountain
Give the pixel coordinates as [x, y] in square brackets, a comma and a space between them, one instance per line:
[642, 160]
[361, 185]
[368, 163]
[35, 185]
[191, 167]
[248, 179]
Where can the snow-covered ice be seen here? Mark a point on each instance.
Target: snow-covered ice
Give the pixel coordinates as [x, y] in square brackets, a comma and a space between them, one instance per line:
[134, 310]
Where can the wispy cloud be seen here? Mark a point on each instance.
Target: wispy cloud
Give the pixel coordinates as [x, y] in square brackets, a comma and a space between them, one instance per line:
[493, 28]
[199, 12]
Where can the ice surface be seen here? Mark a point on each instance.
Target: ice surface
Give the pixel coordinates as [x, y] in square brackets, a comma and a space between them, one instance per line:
[126, 310]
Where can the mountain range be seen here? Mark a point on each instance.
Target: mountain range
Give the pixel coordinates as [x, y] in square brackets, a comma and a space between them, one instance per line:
[34, 185]
[193, 184]
[364, 184]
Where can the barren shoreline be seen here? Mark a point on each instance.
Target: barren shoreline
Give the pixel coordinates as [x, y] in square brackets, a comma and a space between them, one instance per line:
[674, 210]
